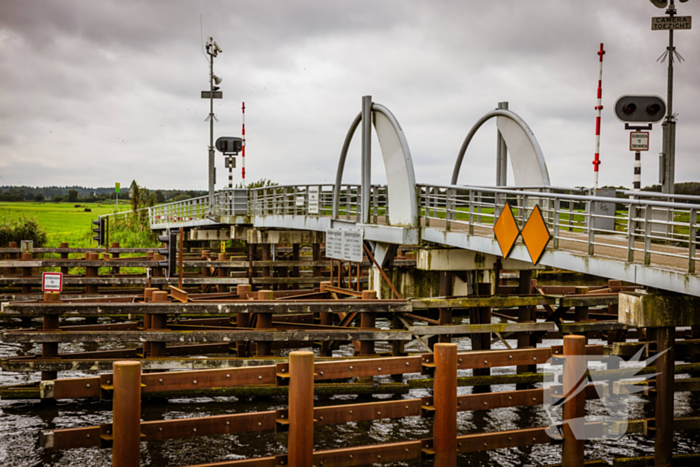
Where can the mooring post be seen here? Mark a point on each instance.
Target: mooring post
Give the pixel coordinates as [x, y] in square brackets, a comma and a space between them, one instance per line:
[264, 322]
[445, 402]
[64, 270]
[663, 443]
[300, 449]
[242, 320]
[574, 411]
[50, 350]
[126, 408]
[26, 273]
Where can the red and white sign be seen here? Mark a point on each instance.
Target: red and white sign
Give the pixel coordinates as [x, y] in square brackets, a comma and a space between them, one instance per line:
[639, 141]
[51, 281]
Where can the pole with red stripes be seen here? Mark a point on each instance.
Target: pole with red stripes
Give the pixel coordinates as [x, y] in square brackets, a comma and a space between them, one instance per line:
[598, 108]
[243, 146]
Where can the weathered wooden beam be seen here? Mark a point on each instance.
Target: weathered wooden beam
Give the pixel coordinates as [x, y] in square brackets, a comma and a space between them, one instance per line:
[229, 307]
[658, 310]
[480, 328]
[479, 302]
[204, 336]
[593, 326]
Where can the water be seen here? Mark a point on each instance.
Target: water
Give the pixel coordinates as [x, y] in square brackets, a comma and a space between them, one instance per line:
[22, 421]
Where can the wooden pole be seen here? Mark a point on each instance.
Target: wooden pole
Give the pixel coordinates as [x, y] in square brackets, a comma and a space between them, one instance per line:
[301, 409]
[126, 426]
[663, 443]
[445, 401]
[179, 258]
[50, 324]
[264, 322]
[574, 405]
[158, 322]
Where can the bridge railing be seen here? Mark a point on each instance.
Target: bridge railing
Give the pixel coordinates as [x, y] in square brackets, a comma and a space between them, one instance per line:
[639, 228]
[316, 200]
[189, 210]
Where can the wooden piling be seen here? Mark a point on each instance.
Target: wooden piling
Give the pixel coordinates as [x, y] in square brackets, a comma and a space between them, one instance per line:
[222, 272]
[368, 321]
[295, 257]
[50, 350]
[445, 314]
[525, 315]
[445, 402]
[242, 321]
[115, 269]
[64, 256]
[91, 272]
[158, 321]
[301, 409]
[663, 443]
[26, 272]
[126, 425]
[574, 405]
[264, 322]
[12, 256]
[581, 312]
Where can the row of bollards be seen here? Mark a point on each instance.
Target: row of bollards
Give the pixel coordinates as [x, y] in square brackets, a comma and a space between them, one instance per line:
[127, 408]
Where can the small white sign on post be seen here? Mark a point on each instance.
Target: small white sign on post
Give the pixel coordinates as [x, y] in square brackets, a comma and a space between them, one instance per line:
[313, 200]
[334, 243]
[52, 281]
[352, 245]
[300, 201]
[639, 141]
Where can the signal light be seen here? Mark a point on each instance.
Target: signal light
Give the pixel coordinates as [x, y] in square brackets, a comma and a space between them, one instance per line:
[169, 252]
[640, 109]
[100, 231]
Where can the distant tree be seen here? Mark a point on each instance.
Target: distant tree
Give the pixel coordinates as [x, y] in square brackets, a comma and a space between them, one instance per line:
[181, 197]
[39, 197]
[72, 196]
[160, 197]
[57, 198]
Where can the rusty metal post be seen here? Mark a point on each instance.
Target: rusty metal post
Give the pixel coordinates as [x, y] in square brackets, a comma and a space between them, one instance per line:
[64, 270]
[445, 402]
[26, 273]
[266, 270]
[251, 260]
[126, 425]
[158, 321]
[368, 321]
[91, 272]
[223, 272]
[147, 297]
[326, 319]
[50, 350]
[481, 315]
[300, 449]
[574, 405]
[264, 322]
[205, 269]
[663, 443]
[445, 314]
[581, 312]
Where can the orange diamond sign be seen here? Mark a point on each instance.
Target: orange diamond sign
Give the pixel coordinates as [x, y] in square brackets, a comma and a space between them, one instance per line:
[506, 230]
[536, 235]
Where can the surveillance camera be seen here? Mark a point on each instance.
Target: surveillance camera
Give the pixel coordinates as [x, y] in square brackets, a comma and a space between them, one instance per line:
[217, 47]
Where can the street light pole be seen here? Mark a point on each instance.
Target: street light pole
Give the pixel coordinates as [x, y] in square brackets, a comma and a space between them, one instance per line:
[212, 168]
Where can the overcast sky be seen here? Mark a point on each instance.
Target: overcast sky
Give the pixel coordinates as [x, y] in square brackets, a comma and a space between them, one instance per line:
[98, 92]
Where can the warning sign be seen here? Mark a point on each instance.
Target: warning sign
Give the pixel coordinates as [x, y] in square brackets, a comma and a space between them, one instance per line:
[662, 23]
[51, 281]
[639, 141]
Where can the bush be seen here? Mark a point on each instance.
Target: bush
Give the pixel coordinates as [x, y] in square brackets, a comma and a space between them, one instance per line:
[23, 228]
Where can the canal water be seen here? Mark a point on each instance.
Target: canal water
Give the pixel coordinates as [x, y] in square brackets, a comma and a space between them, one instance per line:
[22, 421]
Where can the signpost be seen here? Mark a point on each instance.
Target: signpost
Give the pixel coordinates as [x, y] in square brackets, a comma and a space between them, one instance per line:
[51, 282]
[352, 245]
[663, 23]
[117, 190]
[639, 141]
[313, 207]
[334, 243]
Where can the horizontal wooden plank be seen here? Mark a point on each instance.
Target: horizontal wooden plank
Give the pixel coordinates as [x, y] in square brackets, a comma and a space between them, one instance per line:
[228, 307]
[475, 302]
[204, 336]
[593, 326]
[480, 328]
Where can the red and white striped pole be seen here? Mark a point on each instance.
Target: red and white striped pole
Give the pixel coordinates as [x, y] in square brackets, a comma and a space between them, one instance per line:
[243, 147]
[598, 108]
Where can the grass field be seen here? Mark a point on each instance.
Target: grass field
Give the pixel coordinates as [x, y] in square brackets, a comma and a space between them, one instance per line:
[64, 222]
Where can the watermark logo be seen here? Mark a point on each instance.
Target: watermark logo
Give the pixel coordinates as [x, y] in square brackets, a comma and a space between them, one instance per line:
[612, 390]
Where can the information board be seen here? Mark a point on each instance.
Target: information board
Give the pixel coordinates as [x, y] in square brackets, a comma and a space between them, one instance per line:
[334, 243]
[313, 200]
[352, 245]
[51, 281]
[663, 23]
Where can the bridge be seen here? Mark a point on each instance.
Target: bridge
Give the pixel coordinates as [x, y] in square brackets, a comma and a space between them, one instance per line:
[643, 238]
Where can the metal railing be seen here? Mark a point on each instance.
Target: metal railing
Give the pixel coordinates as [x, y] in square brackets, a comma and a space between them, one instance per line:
[626, 225]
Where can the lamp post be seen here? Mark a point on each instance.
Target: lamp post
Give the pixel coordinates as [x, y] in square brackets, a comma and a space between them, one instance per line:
[213, 50]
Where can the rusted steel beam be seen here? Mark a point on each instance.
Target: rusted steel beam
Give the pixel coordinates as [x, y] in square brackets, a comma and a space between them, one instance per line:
[300, 444]
[502, 439]
[361, 367]
[445, 402]
[204, 336]
[663, 442]
[126, 411]
[364, 455]
[243, 306]
[574, 404]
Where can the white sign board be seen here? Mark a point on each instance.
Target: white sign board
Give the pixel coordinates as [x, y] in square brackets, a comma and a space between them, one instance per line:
[313, 200]
[662, 23]
[352, 245]
[334, 243]
[639, 141]
[51, 281]
[300, 201]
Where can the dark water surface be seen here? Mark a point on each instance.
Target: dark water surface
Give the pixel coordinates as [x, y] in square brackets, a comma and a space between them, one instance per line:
[22, 421]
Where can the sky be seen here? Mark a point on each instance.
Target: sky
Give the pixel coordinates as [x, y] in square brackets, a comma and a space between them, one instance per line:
[94, 93]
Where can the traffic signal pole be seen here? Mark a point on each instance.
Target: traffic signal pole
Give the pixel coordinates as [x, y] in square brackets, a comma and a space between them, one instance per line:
[211, 134]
